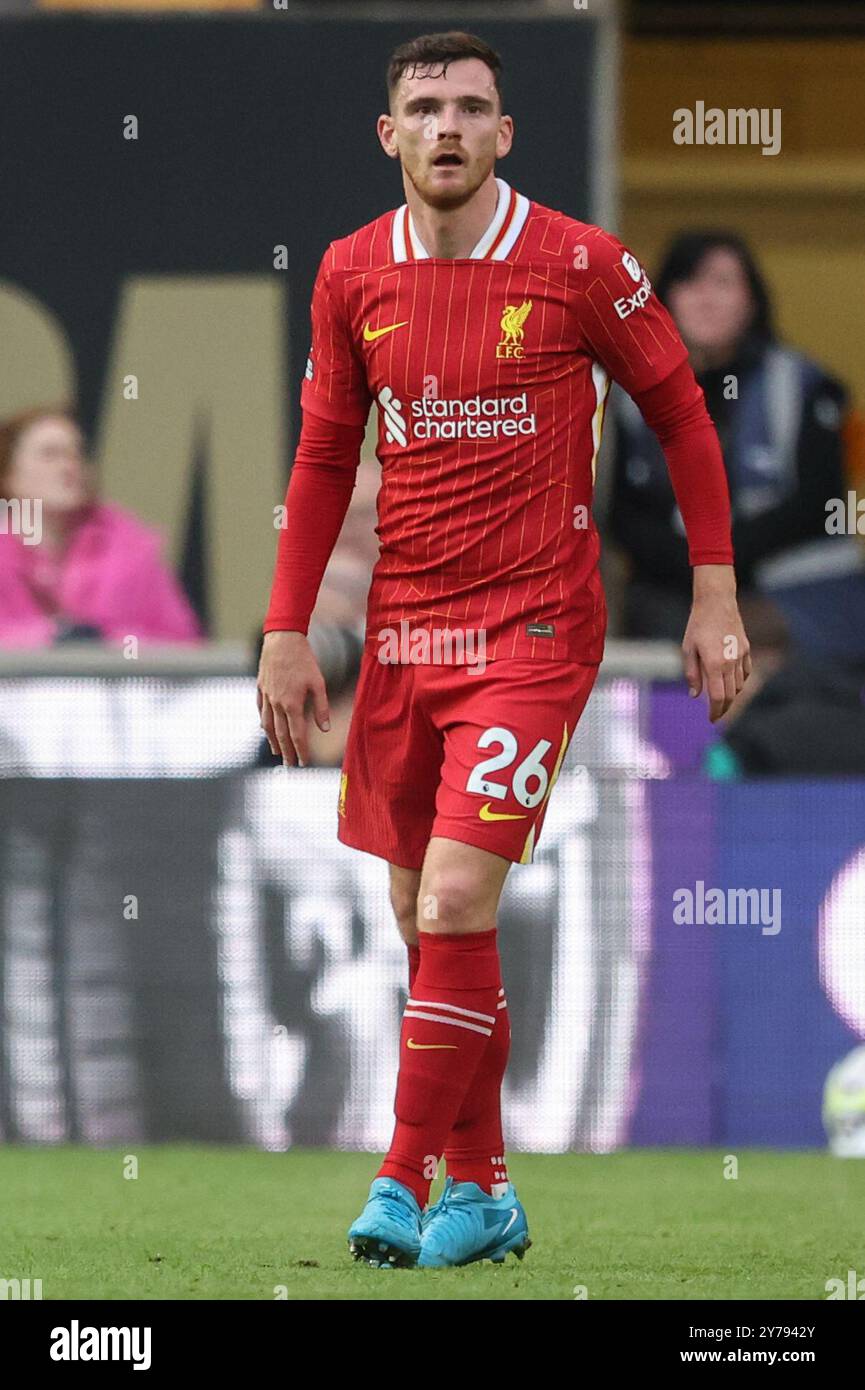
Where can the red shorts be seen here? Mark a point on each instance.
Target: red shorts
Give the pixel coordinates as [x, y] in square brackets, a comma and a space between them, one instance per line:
[447, 750]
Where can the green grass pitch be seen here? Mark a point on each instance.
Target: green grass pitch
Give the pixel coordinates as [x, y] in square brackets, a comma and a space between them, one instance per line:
[224, 1223]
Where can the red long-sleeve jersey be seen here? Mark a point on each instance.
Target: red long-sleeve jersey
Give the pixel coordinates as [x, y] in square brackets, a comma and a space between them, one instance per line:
[489, 374]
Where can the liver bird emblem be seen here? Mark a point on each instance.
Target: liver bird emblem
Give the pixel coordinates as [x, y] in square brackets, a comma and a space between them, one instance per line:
[513, 318]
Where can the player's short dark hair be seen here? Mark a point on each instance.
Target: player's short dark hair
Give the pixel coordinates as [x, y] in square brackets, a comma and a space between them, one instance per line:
[683, 261]
[424, 55]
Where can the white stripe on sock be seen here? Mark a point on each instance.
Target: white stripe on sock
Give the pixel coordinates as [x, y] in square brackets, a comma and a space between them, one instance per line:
[448, 1008]
[454, 1022]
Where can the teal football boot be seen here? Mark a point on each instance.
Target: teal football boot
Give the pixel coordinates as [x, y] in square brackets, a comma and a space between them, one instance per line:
[387, 1233]
[467, 1224]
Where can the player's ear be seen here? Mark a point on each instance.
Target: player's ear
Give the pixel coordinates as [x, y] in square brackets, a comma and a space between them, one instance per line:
[505, 138]
[386, 130]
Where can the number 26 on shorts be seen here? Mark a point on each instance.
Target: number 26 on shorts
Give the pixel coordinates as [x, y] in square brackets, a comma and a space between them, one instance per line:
[531, 767]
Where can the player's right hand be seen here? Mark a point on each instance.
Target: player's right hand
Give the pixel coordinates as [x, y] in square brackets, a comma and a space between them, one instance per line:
[289, 684]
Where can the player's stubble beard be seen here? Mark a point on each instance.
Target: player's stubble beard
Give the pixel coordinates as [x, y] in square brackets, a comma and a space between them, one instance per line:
[447, 199]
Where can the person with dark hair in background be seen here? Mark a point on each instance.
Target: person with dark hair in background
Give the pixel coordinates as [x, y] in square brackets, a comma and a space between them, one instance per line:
[778, 416]
[801, 587]
[79, 567]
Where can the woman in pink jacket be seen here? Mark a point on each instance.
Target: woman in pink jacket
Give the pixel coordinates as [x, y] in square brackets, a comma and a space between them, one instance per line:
[71, 565]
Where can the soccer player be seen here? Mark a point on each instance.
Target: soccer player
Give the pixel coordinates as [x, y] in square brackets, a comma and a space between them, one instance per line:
[486, 328]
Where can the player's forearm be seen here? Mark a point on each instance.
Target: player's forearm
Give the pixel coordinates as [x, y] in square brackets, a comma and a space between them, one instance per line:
[700, 485]
[676, 411]
[317, 499]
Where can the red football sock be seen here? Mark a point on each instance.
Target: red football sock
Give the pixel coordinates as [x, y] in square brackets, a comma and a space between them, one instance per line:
[475, 1151]
[448, 1022]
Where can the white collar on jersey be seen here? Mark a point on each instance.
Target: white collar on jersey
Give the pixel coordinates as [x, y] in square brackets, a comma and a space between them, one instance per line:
[509, 218]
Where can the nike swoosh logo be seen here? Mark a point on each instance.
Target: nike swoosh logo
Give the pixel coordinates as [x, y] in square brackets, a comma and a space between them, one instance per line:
[431, 1047]
[370, 334]
[486, 814]
[511, 1222]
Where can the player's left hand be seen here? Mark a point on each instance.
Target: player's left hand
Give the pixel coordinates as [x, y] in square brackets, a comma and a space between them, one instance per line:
[717, 655]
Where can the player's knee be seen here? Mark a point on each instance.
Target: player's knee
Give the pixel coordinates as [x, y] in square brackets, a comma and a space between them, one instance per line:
[452, 900]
